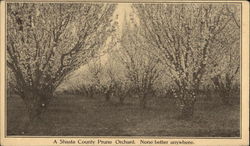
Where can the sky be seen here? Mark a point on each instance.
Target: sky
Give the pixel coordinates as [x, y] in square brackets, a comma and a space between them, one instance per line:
[121, 10]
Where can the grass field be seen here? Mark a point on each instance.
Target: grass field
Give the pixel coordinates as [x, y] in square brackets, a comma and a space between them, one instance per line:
[74, 115]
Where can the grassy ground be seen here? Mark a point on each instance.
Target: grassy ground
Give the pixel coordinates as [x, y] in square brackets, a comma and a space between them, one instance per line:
[80, 116]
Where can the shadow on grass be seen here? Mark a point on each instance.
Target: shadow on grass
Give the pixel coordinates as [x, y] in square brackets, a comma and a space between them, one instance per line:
[70, 115]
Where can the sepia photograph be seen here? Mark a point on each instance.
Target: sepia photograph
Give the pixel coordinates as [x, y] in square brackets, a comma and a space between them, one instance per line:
[123, 69]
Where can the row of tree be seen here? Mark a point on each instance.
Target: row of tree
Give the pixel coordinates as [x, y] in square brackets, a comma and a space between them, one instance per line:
[190, 46]
[183, 46]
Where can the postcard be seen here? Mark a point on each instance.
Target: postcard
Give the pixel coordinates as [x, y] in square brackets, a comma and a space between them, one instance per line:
[109, 72]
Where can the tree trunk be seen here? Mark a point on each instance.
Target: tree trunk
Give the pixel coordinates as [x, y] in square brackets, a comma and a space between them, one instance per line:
[107, 97]
[91, 92]
[36, 104]
[223, 89]
[187, 111]
[122, 98]
[225, 97]
[143, 102]
[187, 100]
